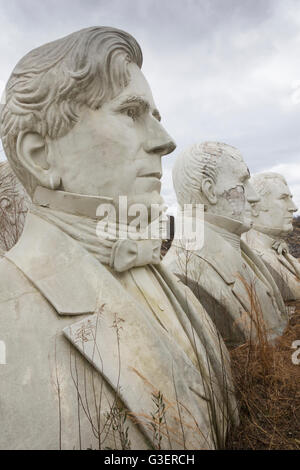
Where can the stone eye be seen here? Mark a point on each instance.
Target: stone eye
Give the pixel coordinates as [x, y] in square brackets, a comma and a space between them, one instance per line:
[132, 113]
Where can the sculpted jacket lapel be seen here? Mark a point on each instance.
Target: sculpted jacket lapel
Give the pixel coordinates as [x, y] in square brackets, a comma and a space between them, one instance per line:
[222, 257]
[289, 263]
[266, 274]
[66, 275]
[229, 269]
[139, 360]
[118, 344]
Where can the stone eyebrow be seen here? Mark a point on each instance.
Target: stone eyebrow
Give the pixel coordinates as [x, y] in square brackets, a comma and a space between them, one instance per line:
[141, 102]
[135, 100]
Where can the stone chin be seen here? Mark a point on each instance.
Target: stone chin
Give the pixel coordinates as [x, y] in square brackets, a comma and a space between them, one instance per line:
[147, 184]
[285, 227]
[288, 227]
[245, 219]
[147, 198]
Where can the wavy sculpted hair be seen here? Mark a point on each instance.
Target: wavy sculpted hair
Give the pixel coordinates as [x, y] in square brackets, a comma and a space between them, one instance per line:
[261, 182]
[195, 163]
[50, 84]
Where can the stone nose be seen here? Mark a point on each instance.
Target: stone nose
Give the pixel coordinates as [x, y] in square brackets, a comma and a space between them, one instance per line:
[158, 140]
[251, 194]
[293, 207]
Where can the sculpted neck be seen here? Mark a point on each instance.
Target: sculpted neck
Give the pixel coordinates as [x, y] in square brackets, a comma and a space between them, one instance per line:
[230, 229]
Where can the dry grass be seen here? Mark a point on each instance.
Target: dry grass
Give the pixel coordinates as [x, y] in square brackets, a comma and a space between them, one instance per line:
[268, 391]
[267, 384]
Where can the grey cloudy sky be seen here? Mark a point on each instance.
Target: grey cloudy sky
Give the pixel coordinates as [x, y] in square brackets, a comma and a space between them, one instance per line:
[226, 70]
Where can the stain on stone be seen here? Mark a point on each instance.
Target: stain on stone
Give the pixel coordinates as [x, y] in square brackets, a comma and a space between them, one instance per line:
[236, 197]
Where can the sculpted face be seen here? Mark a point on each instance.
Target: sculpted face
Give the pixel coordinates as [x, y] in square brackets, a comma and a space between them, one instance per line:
[117, 149]
[233, 190]
[276, 208]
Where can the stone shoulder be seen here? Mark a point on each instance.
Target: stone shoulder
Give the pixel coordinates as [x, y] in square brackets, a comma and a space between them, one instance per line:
[184, 264]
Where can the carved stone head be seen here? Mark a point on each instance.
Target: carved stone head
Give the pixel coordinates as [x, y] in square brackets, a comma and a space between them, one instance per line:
[276, 207]
[215, 175]
[80, 117]
[13, 207]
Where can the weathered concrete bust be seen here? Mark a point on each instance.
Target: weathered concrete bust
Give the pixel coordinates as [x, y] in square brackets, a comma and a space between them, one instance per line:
[214, 174]
[272, 218]
[106, 346]
[225, 274]
[13, 207]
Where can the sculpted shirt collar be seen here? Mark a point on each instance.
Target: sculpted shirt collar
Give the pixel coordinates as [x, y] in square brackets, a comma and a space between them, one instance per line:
[116, 245]
[277, 247]
[230, 231]
[228, 228]
[71, 203]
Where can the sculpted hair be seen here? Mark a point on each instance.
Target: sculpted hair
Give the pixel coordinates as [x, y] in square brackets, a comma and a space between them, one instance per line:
[261, 182]
[48, 86]
[195, 163]
[9, 185]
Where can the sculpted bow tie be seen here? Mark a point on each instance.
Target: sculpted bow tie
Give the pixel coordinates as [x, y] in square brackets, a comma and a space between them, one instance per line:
[118, 246]
[288, 260]
[126, 254]
[281, 247]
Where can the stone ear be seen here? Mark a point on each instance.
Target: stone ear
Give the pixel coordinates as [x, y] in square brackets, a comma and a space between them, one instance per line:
[208, 190]
[32, 152]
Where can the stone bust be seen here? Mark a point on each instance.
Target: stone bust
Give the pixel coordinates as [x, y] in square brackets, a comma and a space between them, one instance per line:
[13, 207]
[272, 220]
[225, 274]
[99, 335]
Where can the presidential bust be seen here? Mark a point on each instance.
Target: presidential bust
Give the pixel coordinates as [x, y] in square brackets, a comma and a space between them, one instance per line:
[272, 220]
[233, 284]
[105, 349]
[13, 207]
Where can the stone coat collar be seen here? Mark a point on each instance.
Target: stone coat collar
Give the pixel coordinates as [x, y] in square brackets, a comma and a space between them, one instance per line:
[225, 260]
[65, 273]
